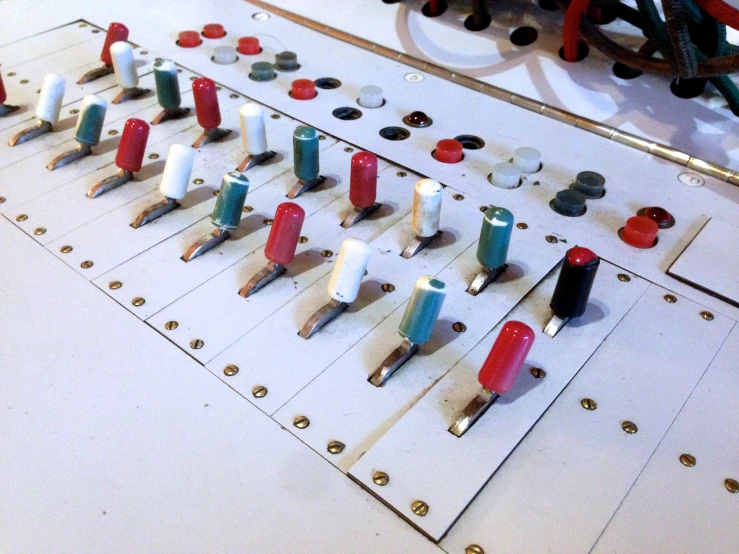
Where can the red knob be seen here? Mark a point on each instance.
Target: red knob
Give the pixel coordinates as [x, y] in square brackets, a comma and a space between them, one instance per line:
[189, 39]
[117, 32]
[363, 180]
[249, 46]
[285, 232]
[449, 151]
[580, 256]
[659, 215]
[303, 89]
[133, 143]
[3, 94]
[206, 103]
[499, 372]
[640, 232]
[214, 30]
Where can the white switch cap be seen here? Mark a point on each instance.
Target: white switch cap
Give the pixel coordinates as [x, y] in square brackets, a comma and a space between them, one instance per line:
[527, 159]
[506, 175]
[349, 270]
[224, 54]
[253, 132]
[50, 98]
[123, 64]
[371, 97]
[426, 207]
[177, 170]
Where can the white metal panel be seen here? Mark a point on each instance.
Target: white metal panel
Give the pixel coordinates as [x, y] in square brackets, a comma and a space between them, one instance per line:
[45, 43]
[359, 413]
[570, 474]
[425, 461]
[674, 508]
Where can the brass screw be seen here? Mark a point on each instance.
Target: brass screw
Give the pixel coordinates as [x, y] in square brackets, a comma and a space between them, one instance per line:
[624, 278]
[198, 181]
[589, 404]
[275, 116]
[247, 209]
[153, 156]
[670, 298]
[24, 81]
[74, 111]
[327, 253]
[420, 508]
[336, 447]
[552, 239]
[115, 285]
[259, 391]
[216, 192]
[474, 549]
[348, 149]
[732, 485]
[39, 230]
[522, 225]
[458, 197]
[381, 478]
[303, 240]
[230, 370]
[401, 174]
[138, 301]
[21, 217]
[708, 316]
[301, 422]
[538, 373]
[459, 327]
[268, 221]
[112, 132]
[11, 74]
[321, 137]
[629, 427]
[388, 287]
[196, 344]
[2, 199]
[688, 460]
[65, 249]
[233, 96]
[87, 264]
[171, 325]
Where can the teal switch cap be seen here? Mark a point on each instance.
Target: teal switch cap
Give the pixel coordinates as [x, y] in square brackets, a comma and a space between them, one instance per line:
[168, 86]
[422, 310]
[305, 152]
[90, 121]
[230, 201]
[495, 236]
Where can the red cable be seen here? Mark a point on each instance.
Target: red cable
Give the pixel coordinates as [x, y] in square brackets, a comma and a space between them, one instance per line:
[722, 11]
[571, 31]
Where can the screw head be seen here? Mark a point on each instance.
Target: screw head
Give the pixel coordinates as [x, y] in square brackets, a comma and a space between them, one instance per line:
[268, 222]
[74, 111]
[688, 460]
[401, 174]
[230, 370]
[522, 225]
[589, 404]
[154, 156]
[198, 181]
[112, 132]
[624, 278]
[87, 264]
[732, 485]
[629, 427]
[670, 298]
[420, 508]
[708, 316]
[381, 478]
[216, 192]
[2, 199]
[303, 240]
[321, 137]
[552, 239]
[327, 253]
[275, 116]
[233, 96]
[196, 344]
[336, 447]
[138, 301]
[459, 327]
[66, 249]
[171, 325]
[247, 209]
[301, 422]
[458, 197]
[538, 373]
[115, 285]
[388, 287]
[348, 149]
[474, 549]
[21, 217]
[259, 391]
[39, 231]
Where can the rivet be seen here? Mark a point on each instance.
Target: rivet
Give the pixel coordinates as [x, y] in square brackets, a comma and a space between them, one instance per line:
[198, 181]
[732, 485]
[327, 253]
[301, 422]
[2, 199]
[112, 132]
[459, 327]
[624, 278]
[629, 427]
[268, 221]
[708, 316]
[216, 192]
[259, 391]
[552, 239]
[522, 225]
[230, 370]
[193, 77]
[381, 478]
[348, 149]
[321, 137]
[401, 174]
[24, 81]
[275, 116]
[388, 287]
[196, 344]
[420, 508]
[303, 240]
[670, 298]
[87, 264]
[335, 447]
[138, 301]
[153, 156]
[233, 96]
[589, 404]
[474, 549]
[538, 373]
[688, 460]
[74, 111]
[247, 209]
[66, 249]
[21, 217]
[458, 197]
[171, 325]
[115, 285]
[39, 231]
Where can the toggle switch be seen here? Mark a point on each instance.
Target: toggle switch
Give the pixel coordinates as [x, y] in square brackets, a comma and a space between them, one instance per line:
[117, 32]
[492, 249]
[129, 157]
[249, 46]
[5, 109]
[505, 175]
[208, 112]
[570, 298]
[286, 61]
[168, 92]
[86, 133]
[639, 232]
[343, 287]
[498, 374]
[125, 73]
[173, 185]
[305, 155]
[280, 248]
[303, 89]
[262, 71]
[527, 159]
[425, 216]
[448, 151]
[253, 136]
[226, 215]
[416, 327]
[370, 96]
[48, 108]
[362, 188]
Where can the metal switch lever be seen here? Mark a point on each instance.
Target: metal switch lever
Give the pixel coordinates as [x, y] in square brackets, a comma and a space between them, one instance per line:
[129, 157]
[87, 132]
[125, 72]
[253, 136]
[117, 32]
[168, 92]
[208, 112]
[305, 154]
[425, 216]
[492, 248]
[362, 188]
[47, 109]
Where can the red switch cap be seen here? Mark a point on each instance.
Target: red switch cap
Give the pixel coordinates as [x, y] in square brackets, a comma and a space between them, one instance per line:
[580, 256]
[133, 143]
[3, 94]
[206, 103]
[303, 89]
[214, 30]
[363, 180]
[189, 39]
[285, 232]
[117, 32]
[499, 372]
[640, 232]
[249, 46]
[448, 151]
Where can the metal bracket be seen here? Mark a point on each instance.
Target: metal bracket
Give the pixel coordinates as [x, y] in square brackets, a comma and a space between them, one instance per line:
[262, 279]
[155, 211]
[392, 363]
[322, 317]
[359, 214]
[210, 135]
[418, 244]
[5, 109]
[304, 186]
[208, 242]
[555, 325]
[95, 74]
[472, 412]
[168, 114]
[41, 128]
[484, 278]
[70, 156]
[110, 183]
[254, 160]
[129, 94]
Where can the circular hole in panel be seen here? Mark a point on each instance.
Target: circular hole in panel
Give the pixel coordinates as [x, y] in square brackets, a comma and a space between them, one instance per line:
[687, 88]
[625, 72]
[394, 133]
[441, 7]
[582, 51]
[347, 114]
[523, 36]
[327, 83]
[470, 142]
